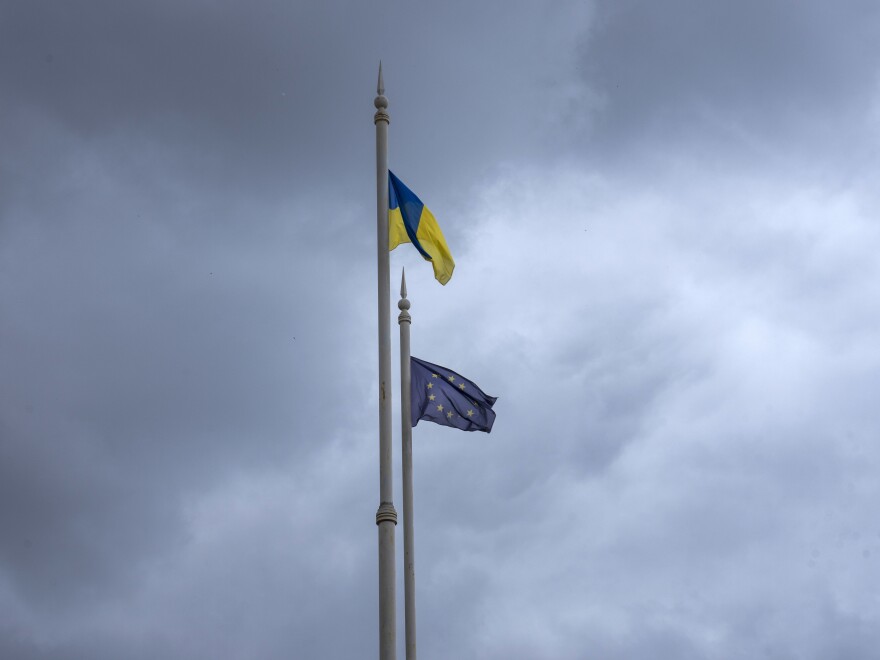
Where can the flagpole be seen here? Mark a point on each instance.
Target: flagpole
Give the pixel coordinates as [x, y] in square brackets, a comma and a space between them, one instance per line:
[386, 516]
[409, 570]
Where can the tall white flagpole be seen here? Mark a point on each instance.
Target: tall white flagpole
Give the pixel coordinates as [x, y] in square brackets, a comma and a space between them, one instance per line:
[386, 516]
[409, 569]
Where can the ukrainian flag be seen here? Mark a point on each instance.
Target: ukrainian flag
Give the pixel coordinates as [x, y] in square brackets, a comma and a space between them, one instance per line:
[410, 221]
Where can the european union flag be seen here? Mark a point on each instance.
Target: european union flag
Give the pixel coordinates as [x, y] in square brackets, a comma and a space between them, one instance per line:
[410, 221]
[444, 397]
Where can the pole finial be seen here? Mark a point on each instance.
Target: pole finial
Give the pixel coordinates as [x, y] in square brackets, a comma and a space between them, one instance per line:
[403, 303]
[380, 101]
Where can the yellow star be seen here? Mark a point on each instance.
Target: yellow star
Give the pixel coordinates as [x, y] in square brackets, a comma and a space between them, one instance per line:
[461, 387]
[431, 397]
[430, 385]
[449, 414]
[440, 408]
[470, 413]
[434, 376]
[452, 379]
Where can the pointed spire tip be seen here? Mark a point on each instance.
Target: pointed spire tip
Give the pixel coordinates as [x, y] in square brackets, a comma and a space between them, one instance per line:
[403, 283]
[380, 87]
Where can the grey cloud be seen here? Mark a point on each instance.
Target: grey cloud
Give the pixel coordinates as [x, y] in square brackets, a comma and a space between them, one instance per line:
[680, 337]
[139, 356]
[276, 95]
[720, 75]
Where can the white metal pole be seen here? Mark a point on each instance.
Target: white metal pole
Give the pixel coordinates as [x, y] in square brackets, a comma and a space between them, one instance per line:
[409, 570]
[386, 516]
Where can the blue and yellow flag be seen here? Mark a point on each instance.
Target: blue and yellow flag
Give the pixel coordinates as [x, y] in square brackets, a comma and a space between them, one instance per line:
[444, 397]
[410, 221]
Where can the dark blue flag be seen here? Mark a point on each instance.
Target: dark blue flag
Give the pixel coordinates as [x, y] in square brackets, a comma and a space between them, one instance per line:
[444, 397]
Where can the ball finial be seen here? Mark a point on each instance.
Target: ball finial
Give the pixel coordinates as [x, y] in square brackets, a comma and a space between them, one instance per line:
[380, 101]
[403, 303]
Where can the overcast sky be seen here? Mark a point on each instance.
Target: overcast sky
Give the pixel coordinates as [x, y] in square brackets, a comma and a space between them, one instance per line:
[665, 223]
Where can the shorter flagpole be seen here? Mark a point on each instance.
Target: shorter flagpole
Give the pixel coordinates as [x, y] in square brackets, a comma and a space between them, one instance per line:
[409, 573]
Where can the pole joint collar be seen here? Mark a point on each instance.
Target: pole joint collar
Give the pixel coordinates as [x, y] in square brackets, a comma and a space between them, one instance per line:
[381, 104]
[385, 513]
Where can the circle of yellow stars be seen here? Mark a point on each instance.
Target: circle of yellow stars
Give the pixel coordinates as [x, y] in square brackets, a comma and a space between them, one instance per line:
[432, 397]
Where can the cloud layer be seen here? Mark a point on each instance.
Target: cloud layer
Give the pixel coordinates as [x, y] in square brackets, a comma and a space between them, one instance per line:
[664, 221]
